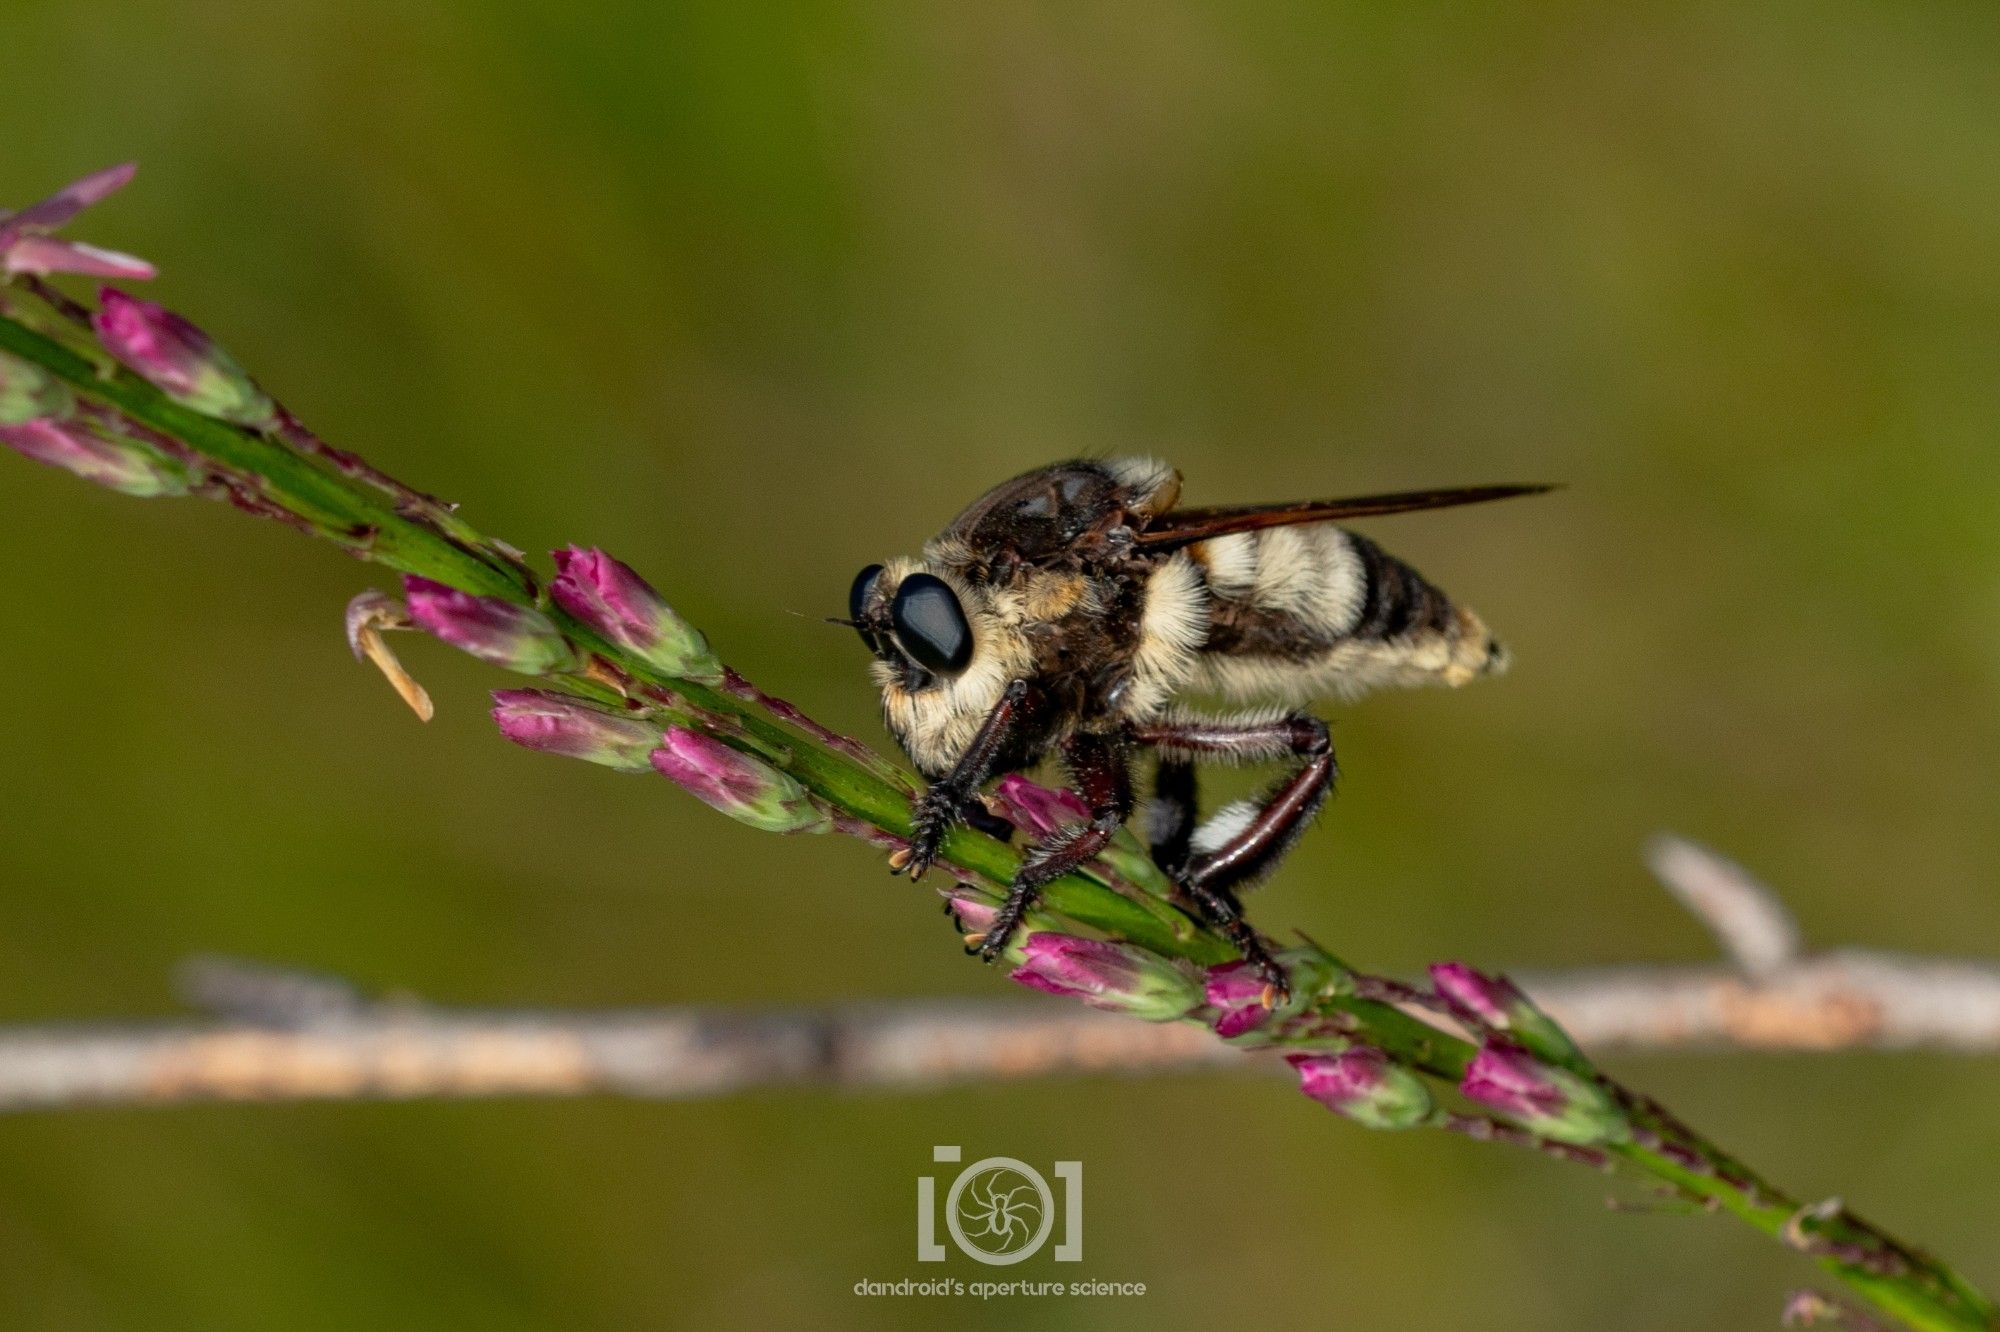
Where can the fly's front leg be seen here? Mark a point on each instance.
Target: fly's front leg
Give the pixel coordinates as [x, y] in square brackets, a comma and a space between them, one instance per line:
[1104, 779]
[1244, 842]
[946, 803]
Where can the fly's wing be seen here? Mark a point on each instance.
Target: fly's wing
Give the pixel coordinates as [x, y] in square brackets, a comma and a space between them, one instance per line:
[1185, 527]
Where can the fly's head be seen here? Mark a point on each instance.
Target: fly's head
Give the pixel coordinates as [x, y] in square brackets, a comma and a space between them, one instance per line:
[945, 649]
[1022, 585]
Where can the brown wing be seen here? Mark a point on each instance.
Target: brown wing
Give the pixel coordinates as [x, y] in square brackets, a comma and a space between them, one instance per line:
[1184, 527]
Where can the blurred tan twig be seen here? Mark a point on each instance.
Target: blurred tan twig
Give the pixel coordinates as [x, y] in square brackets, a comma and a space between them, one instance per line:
[285, 1035]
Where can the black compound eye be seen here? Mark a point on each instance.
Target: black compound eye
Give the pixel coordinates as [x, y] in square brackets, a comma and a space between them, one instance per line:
[930, 624]
[857, 602]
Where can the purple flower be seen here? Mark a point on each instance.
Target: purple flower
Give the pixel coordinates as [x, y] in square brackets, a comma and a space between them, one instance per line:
[1237, 993]
[180, 360]
[62, 206]
[121, 466]
[40, 255]
[26, 247]
[1037, 810]
[1507, 1078]
[610, 598]
[1107, 975]
[745, 788]
[562, 724]
[515, 638]
[1542, 1098]
[1363, 1085]
[1497, 1003]
[1474, 995]
[975, 915]
[28, 392]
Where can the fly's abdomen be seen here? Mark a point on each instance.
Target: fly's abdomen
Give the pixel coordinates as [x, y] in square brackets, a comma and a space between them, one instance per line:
[1305, 612]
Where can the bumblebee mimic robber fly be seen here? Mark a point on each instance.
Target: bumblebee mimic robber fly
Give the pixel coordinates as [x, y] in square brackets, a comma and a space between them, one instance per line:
[1066, 611]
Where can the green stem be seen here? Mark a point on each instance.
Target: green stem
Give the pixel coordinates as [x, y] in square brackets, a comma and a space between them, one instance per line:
[367, 520]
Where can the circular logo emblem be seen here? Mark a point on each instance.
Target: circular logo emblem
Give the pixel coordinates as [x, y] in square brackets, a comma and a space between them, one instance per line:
[999, 1210]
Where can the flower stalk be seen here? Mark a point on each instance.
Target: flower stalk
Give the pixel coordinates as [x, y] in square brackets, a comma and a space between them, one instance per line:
[624, 682]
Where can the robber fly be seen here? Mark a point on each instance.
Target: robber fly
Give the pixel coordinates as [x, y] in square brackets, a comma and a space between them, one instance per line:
[1069, 610]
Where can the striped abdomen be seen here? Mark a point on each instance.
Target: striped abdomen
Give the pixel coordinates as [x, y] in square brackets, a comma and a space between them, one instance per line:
[1304, 612]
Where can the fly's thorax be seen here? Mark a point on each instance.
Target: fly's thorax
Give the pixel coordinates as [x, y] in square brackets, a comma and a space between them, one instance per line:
[1062, 511]
[1100, 645]
[1112, 644]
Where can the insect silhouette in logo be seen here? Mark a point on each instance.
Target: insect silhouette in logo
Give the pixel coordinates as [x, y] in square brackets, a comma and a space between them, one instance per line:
[1069, 611]
[1000, 1211]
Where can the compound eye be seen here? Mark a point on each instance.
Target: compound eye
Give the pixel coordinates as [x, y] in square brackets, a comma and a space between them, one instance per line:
[857, 603]
[930, 624]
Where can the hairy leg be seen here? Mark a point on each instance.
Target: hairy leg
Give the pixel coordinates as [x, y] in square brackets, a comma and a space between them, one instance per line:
[949, 799]
[1246, 844]
[1103, 777]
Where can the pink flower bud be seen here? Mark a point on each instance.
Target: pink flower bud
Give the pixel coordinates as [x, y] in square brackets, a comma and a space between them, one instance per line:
[1037, 810]
[60, 207]
[123, 467]
[975, 915]
[610, 598]
[1546, 1100]
[1362, 1084]
[1236, 991]
[1497, 1003]
[744, 787]
[1107, 975]
[180, 360]
[515, 638]
[1475, 995]
[563, 724]
[26, 248]
[42, 255]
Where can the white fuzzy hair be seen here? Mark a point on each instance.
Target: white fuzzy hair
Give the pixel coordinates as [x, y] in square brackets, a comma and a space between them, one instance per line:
[1173, 624]
[1223, 826]
[937, 723]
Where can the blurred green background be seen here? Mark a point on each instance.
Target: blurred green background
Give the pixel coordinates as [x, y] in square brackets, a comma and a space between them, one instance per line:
[753, 295]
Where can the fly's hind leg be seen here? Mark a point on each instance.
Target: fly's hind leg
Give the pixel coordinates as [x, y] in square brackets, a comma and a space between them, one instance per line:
[1244, 842]
[1170, 818]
